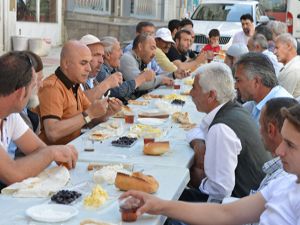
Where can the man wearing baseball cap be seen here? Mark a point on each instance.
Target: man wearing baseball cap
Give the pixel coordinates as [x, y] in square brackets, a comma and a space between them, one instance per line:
[92, 88]
[164, 41]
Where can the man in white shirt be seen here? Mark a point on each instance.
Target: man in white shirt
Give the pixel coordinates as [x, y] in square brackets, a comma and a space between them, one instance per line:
[256, 82]
[248, 30]
[286, 52]
[258, 43]
[227, 137]
[278, 203]
[17, 80]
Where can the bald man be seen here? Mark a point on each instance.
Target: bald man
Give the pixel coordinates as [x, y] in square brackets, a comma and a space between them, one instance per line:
[64, 108]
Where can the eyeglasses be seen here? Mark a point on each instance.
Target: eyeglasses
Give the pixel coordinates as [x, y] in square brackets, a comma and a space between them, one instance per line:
[20, 82]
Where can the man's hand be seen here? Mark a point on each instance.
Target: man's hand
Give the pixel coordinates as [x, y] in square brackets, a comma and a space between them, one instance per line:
[201, 57]
[114, 106]
[167, 81]
[150, 203]
[148, 75]
[98, 108]
[65, 155]
[145, 76]
[114, 80]
[180, 73]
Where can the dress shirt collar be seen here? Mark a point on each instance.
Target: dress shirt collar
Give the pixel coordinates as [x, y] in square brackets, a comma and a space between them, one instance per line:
[109, 68]
[68, 83]
[272, 165]
[207, 120]
[270, 95]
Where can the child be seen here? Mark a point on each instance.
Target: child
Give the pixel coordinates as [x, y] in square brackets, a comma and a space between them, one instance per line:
[214, 37]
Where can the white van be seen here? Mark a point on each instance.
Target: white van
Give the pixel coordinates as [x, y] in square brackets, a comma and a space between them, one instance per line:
[223, 15]
[286, 11]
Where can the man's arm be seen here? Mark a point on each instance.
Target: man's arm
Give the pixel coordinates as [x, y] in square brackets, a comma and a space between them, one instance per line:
[113, 80]
[33, 142]
[130, 71]
[191, 65]
[243, 211]
[220, 161]
[56, 129]
[197, 170]
[38, 158]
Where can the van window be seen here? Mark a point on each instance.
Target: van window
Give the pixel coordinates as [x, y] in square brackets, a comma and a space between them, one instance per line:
[221, 12]
[274, 5]
[275, 9]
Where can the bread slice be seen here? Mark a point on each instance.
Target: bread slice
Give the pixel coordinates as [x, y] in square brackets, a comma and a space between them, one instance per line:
[137, 181]
[156, 148]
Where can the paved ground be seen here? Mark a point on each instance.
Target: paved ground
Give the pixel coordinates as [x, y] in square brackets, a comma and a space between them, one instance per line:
[51, 61]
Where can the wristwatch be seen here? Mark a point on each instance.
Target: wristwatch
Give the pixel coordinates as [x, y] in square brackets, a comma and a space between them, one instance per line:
[86, 117]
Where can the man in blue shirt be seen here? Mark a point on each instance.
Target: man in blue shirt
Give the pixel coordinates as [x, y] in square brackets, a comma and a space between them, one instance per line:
[256, 82]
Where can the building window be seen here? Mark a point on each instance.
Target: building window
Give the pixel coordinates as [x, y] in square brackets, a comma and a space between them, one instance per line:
[26, 10]
[48, 11]
[37, 10]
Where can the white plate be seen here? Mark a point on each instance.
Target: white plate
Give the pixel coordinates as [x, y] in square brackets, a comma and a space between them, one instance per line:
[51, 212]
[151, 121]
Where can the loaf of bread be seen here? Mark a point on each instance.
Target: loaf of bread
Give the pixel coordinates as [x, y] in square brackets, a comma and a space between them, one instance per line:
[137, 181]
[156, 148]
[159, 115]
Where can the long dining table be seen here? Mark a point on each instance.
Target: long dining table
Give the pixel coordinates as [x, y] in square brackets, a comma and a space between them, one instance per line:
[170, 169]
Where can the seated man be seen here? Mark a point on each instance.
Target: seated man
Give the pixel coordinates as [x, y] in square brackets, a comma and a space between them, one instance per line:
[134, 63]
[234, 52]
[30, 118]
[92, 89]
[271, 122]
[148, 28]
[227, 136]
[17, 80]
[256, 82]
[64, 108]
[177, 52]
[164, 42]
[278, 203]
[286, 52]
[112, 55]
[258, 43]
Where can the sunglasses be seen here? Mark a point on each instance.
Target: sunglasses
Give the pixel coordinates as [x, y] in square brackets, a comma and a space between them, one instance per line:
[20, 83]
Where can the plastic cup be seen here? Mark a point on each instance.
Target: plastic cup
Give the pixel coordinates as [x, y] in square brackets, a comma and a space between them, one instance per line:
[88, 144]
[129, 118]
[128, 207]
[148, 140]
[176, 86]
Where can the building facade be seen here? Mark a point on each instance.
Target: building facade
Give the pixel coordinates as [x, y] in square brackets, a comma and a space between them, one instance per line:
[59, 20]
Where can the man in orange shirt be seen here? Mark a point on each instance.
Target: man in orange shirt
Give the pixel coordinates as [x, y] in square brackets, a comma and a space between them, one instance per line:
[64, 108]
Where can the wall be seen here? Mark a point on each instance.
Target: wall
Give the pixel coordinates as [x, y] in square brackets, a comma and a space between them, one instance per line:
[77, 25]
[43, 30]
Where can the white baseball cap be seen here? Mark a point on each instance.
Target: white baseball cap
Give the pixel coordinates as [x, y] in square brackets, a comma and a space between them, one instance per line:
[89, 39]
[236, 50]
[164, 34]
